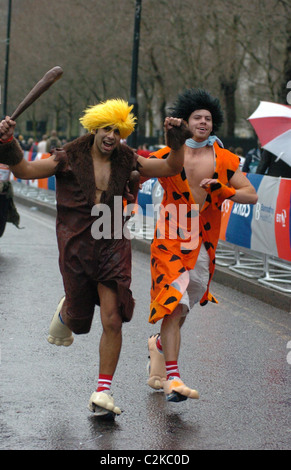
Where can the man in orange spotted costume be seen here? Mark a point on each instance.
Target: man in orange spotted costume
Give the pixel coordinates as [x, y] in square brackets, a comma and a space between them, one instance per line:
[183, 266]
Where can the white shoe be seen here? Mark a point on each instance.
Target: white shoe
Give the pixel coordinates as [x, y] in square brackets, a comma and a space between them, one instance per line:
[102, 404]
[59, 334]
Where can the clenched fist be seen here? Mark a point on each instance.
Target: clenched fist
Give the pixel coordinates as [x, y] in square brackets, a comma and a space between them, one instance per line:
[7, 127]
[177, 132]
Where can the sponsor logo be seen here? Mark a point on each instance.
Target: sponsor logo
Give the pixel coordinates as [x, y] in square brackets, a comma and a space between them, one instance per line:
[244, 210]
[281, 218]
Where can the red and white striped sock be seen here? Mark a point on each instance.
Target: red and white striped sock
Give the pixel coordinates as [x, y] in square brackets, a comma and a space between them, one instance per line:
[172, 369]
[104, 382]
[159, 344]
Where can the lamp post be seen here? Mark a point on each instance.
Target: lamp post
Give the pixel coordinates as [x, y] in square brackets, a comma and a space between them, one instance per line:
[7, 59]
[132, 140]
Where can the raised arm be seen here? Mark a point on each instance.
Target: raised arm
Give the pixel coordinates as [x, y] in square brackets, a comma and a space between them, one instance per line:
[176, 132]
[12, 155]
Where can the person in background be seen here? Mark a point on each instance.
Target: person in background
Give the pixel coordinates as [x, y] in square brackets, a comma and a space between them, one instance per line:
[53, 142]
[143, 151]
[41, 146]
[239, 152]
[252, 160]
[272, 165]
[31, 145]
[21, 141]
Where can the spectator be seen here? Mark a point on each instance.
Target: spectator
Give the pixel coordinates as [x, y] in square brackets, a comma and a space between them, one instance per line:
[239, 152]
[31, 145]
[21, 141]
[252, 160]
[41, 146]
[272, 165]
[53, 142]
[143, 151]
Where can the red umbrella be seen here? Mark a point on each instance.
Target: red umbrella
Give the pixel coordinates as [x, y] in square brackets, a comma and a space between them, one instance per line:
[272, 123]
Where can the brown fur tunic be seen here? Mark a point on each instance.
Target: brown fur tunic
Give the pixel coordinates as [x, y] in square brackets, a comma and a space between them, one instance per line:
[123, 161]
[84, 260]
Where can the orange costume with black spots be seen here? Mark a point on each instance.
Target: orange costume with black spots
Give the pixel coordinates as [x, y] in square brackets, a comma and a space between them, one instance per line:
[176, 246]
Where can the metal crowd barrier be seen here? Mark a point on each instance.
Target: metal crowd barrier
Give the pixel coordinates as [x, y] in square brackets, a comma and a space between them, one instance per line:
[33, 192]
[267, 270]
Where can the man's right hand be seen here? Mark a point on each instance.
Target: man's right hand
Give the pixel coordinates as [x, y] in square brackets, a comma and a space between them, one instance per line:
[7, 127]
[177, 132]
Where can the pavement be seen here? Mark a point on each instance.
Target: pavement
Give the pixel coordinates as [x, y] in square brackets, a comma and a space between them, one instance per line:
[44, 201]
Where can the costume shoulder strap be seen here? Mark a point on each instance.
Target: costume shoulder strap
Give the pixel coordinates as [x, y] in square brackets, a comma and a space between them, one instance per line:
[226, 159]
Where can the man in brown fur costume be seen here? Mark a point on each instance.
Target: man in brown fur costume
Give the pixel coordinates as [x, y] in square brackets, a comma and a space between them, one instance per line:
[90, 170]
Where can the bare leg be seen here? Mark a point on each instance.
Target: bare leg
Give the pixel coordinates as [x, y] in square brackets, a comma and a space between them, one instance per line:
[174, 388]
[111, 339]
[102, 403]
[170, 337]
[170, 334]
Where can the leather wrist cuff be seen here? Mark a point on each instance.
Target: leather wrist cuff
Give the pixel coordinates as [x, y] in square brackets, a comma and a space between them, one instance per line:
[219, 192]
[10, 153]
[176, 136]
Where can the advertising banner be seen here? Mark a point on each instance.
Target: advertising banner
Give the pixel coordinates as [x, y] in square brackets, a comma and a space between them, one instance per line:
[265, 226]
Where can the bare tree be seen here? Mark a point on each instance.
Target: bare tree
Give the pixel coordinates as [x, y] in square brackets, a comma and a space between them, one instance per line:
[240, 51]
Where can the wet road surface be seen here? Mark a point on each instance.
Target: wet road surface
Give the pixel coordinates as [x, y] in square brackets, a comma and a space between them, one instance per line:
[234, 353]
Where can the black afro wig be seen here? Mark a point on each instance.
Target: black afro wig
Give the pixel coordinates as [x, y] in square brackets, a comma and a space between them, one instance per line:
[191, 100]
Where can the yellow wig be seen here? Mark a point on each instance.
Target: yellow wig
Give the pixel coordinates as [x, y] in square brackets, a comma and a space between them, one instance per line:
[114, 112]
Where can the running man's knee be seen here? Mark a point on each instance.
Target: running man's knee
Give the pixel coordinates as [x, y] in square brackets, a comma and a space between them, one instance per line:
[109, 310]
[175, 317]
[111, 320]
